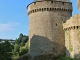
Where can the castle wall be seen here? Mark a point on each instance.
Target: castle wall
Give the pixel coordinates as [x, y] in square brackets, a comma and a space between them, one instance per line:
[67, 39]
[73, 26]
[69, 42]
[46, 33]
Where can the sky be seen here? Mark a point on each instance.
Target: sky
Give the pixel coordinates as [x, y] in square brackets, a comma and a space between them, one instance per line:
[14, 18]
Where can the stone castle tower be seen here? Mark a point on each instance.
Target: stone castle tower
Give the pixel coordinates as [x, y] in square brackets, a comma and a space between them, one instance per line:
[46, 34]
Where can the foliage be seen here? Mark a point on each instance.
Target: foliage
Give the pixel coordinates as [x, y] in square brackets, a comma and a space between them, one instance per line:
[6, 51]
[24, 49]
[70, 48]
[20, 47]
[0, 40]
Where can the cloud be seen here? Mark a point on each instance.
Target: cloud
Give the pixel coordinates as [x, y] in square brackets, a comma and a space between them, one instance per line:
[10, 26]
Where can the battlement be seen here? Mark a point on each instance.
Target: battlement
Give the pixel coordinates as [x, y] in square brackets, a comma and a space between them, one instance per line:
[72, 23]
[49, 6]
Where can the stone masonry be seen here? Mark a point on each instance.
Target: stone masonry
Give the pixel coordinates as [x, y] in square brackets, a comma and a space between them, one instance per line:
[46, 34]
[72, 36]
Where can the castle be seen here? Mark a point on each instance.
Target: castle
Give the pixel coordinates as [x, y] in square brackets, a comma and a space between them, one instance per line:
[52, 30]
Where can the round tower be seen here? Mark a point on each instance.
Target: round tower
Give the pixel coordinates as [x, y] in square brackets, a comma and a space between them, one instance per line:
[46, 35]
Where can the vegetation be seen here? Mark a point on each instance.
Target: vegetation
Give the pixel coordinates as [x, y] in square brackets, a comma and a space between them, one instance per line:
[20, 47]
[70, 48]
[53, 57]
[67, 58]
[12, 52]
[6, 51]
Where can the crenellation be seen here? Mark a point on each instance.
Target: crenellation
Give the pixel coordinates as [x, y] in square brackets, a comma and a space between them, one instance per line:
[51, 2]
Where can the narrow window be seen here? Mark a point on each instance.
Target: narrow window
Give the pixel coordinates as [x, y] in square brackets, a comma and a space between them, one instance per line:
[56, 24]
[34, 3]
[77, 27]
[63, 3]
[52, 2]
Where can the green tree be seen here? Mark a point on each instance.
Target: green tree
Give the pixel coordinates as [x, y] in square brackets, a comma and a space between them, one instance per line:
[0, 40]
[5, 51]
[24, 49]
[20, 46]
[19, 40]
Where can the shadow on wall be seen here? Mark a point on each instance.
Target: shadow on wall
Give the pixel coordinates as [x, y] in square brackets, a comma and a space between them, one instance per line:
[43, 48]
[40, 45]
[77, 56]
[68, 54]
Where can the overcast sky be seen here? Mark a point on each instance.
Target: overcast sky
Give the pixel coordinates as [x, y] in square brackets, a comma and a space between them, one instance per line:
[14, 18]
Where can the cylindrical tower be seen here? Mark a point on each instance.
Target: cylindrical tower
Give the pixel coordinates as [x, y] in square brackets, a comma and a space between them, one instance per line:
[46, 35]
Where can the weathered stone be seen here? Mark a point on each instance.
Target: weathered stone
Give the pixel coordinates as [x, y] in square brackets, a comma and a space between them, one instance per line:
[72, 36]
[46, 34]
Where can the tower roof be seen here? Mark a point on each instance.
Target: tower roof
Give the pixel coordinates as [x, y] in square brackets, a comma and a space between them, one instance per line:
[54, 0]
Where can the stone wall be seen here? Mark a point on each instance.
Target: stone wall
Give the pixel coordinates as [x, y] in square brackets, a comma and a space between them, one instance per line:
[72, 38]
[46, 34]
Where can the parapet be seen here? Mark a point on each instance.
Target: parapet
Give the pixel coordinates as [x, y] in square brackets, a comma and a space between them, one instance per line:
[49, 6]
[72, 23]
[54, 0]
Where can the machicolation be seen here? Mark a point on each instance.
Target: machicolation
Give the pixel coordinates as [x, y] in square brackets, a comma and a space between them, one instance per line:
[72, 27]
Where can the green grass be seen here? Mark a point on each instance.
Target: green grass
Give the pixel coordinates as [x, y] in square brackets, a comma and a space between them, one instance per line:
[67, 58]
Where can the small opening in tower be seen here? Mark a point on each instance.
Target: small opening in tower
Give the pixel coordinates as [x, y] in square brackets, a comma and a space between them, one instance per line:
[63, 3]
[44, 9]
[50, 9]
[56, 24]
[77, 27]
[47, 9]
[74, 27]
[34, 3]
[35, 10]
[52, 2]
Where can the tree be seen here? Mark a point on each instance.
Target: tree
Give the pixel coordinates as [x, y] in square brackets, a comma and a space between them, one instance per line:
[24, 49]
[0, 40]
[20, 46]
[5, 50]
